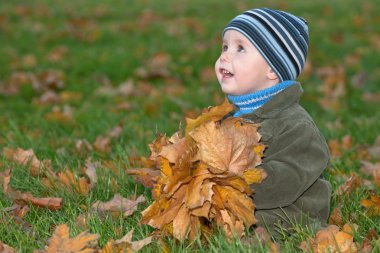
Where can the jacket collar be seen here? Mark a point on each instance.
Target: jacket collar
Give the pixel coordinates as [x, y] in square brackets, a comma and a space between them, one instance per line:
[278, 103]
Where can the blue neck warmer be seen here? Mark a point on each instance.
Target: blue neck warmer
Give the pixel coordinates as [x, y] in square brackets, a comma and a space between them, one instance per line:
[248, 103]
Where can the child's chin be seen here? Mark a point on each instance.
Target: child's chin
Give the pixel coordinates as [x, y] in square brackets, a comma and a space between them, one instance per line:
[226, 90]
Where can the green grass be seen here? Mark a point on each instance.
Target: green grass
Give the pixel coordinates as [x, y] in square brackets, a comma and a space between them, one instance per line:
[111, 39]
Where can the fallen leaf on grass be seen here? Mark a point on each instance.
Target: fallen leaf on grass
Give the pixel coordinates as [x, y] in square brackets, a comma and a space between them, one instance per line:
[334, 87]
[6, 249]
[337, 147]
[71, 181]
[13, 83]
[371, 169]
[126, 244]
[372, 205]
[367, 245]
[57, 53]
[91, 172]
[16, 214]
[156, 67]
[336, 217]
[118, 204]
[375, 149]
[263, 236]
[333, 240]
[50, 79]
[61, 242]
[62, 114]
[198, 185]
[20, 211]
[351, 184]
[83, 147]
[26, 198]
[103, 142]
[27, 157]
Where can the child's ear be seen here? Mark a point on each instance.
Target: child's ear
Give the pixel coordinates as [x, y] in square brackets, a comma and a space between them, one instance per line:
[271, 74]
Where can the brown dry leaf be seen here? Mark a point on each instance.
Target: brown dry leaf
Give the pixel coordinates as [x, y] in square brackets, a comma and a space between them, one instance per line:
[210, 114]
[371, 96]
[20, 211]
[336, 147]
[70, 96]
[334, 87]
[118, 204]
[265, 239]
[91, 172]
[13, 83]
[103, 143]
[351, 184]
[367, 245]
[375, 149]
[73, 183]
[198, 185]
[6, 249]
[81, 221]
[135, 245]
[372, 204]
[370, 169]
[333, 240]
[62, 114]
[26, 198]
[50, 79]
[47, 98]
[336, 217]
[24, 157]
[57, 53]
[61, 241]
[16, 215]
[145, 176]
[227, 148]
[156, 147]
[83, 147]
[156, 67]
[126, 244]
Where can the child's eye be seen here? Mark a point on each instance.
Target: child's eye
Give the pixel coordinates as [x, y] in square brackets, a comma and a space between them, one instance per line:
[224, 48]
[241, 48]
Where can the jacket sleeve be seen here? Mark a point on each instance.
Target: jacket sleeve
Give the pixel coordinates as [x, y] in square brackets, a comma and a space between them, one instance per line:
[293, 160]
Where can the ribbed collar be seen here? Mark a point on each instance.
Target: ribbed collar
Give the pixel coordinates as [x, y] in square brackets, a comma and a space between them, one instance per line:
[248, 103]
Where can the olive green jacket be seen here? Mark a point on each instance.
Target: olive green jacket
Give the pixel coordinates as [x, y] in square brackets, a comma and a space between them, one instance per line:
[295, 157]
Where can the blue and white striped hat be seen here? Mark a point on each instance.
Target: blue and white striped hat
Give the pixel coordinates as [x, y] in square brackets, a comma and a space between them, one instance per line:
[280, 37]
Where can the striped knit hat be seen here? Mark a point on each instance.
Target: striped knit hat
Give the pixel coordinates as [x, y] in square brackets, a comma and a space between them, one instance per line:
[280, 37]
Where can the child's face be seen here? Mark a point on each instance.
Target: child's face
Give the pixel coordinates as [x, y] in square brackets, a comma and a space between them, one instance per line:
[241, 69]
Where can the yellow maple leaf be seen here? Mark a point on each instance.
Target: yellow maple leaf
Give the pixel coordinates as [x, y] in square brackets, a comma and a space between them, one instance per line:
[226, 147]
[61, 242]
[215, 113]
[254, 176]
[332, 239]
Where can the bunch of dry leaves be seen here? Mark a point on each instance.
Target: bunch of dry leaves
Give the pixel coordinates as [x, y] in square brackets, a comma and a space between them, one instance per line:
[205, 176]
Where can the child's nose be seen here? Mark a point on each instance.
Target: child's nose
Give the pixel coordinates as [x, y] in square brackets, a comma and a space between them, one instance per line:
[225, 56]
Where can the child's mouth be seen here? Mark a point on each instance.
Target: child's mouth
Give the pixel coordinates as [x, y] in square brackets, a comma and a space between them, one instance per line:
[225, 73]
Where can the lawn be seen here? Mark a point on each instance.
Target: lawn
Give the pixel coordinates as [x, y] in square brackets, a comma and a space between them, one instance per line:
[98, 80]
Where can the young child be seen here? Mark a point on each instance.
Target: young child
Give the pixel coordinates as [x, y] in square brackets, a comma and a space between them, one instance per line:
[263, 52]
